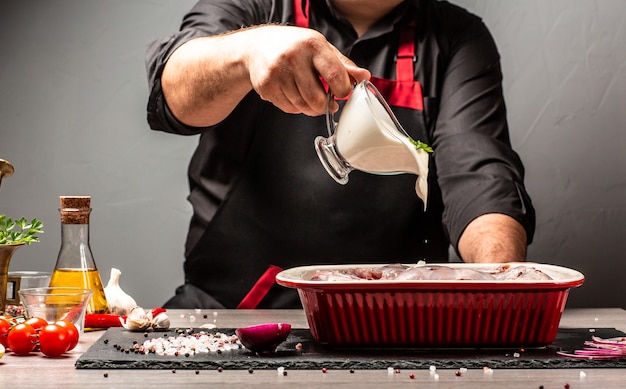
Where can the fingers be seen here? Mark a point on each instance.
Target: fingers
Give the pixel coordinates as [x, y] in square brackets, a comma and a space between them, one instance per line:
[354, 73]
[288, 73]
[307, 96]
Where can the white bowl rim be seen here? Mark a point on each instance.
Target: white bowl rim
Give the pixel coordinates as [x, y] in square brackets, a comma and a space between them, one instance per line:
[63, 291]
[299, 277]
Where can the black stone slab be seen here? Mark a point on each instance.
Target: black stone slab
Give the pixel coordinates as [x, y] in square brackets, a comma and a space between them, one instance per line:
[313, 356]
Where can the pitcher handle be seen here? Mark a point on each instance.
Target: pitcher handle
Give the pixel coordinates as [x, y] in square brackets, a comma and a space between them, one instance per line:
[331, 124]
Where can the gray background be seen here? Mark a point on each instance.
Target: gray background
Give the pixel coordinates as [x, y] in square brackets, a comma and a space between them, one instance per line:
[72, 120]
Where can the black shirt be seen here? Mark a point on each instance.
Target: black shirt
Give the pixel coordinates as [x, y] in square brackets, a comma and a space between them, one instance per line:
[374, 218]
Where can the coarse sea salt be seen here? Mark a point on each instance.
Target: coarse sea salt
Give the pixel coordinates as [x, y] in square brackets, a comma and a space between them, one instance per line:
[190, 344]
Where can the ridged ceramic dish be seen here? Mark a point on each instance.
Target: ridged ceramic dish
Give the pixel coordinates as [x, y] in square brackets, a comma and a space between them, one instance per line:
[443, 313]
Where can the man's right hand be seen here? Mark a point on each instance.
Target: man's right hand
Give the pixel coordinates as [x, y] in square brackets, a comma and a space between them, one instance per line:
[206, 78]
[287, 67]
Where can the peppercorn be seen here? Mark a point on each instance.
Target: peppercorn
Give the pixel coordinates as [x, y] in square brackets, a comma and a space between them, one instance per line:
[220, 369]
[324, 370]
[106, 375]
[250, 371]
[197, 372]
[412, 376]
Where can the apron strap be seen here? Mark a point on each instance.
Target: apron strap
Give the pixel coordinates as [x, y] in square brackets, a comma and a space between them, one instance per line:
[260, 288]
[405, 58]
[404, 94]
[301, 13]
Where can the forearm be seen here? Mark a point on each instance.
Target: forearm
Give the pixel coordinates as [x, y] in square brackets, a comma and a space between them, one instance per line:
[204, 79]
[493, 238]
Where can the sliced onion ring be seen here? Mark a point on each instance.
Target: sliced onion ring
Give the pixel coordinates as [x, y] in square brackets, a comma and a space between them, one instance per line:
[598, 348]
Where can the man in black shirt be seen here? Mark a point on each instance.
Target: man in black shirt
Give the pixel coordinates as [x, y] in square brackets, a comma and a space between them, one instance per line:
[246, 76]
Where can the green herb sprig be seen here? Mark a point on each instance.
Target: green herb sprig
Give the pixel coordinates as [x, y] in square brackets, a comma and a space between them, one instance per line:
[26, 232]
[421, 145]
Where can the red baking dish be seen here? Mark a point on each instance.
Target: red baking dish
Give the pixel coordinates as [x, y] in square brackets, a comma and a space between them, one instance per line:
[425, 313]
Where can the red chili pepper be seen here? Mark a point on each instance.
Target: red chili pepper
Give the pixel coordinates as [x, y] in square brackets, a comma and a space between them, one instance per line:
[102, 320]
[107, 320]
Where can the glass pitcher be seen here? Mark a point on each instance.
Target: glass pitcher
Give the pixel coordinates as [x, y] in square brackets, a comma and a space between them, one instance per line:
[369, 138]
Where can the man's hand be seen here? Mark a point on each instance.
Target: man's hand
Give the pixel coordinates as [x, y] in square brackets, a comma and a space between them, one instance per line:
[286, 68]
[493, 238]
[205, 78]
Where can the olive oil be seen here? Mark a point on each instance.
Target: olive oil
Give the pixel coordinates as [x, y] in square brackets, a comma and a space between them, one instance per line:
[88, 279]
[75, 265]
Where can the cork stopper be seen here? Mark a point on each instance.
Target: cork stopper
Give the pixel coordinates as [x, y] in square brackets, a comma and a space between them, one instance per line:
[75, 209]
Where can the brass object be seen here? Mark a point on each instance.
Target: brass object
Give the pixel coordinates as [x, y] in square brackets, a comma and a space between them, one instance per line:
[6, 169]
[6, 252]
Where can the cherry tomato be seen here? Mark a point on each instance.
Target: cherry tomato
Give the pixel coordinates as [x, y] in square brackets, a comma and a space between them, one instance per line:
[5, 327]
[37, 323]
[72, 332]
[53, 340]
[22, 339]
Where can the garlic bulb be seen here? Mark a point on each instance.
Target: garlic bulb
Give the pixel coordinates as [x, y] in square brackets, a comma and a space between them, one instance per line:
[119, 302]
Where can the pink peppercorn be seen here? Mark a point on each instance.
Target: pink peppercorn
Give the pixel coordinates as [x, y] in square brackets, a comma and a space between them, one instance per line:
[412, 376]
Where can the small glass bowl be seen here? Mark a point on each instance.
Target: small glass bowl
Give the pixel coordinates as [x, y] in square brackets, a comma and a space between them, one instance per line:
[57, 303]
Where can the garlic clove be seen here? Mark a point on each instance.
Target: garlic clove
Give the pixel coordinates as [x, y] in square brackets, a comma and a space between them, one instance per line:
[137, 319]
[160, 322]
[137, 312]
[136, 324]
[120, 303]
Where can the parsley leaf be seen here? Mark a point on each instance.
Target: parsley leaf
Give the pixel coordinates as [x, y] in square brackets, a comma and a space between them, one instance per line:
[26, 231]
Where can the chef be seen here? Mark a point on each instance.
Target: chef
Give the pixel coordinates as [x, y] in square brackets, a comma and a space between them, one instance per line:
[249, 78]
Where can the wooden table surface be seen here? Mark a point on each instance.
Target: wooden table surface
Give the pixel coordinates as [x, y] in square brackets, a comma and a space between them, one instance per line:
[37, 371]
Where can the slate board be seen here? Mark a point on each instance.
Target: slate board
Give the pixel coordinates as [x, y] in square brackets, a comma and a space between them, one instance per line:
[313, 356]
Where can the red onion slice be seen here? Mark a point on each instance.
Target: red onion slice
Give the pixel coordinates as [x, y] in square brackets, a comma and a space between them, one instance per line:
[599, 348]
[263, 338]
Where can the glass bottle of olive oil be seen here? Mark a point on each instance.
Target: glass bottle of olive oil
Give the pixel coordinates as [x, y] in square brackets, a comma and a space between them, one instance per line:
[75, 264]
